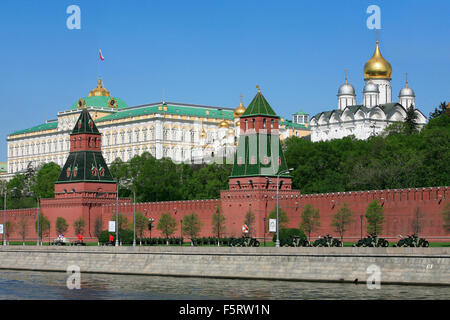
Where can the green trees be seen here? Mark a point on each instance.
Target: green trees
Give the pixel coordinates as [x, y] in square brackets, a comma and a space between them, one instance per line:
[23, 228]
[45, 180]
[375, 218]
[164, 180]
[249, 221]
[141, 225]
[44, 226]
[78, 226]
[218, 223]
[391, 161]
[61, 225]
[310, 220]
[166, 224]
[342, 219]
[191, 225]
[439, 111]
[282, 217]
[98, 226]
[416, 223]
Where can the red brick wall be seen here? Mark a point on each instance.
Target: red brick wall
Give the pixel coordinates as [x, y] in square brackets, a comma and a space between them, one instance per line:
[398, 207]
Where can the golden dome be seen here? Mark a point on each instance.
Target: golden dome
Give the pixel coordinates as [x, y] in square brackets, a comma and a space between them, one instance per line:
[203, 134]
[223, 124]
[99, 91]
[377, 66]
[239, 111]
[230, 131]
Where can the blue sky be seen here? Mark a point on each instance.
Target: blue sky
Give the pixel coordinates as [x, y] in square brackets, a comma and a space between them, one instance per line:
[209, 52]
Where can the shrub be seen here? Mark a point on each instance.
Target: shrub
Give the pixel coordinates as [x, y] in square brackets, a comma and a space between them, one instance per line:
[286, 233]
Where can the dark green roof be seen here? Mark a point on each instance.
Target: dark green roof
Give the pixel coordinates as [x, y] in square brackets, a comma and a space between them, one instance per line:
[259, 107]
[249, 161]
[85, 166]
[85, 124]
[173, 109]
[42, 127]
[100, 101]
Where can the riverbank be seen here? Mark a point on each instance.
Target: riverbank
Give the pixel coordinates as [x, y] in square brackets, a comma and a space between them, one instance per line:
[422, 266]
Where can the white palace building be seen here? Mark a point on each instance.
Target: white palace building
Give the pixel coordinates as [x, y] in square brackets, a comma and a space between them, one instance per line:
[179, 131]
[376, 112]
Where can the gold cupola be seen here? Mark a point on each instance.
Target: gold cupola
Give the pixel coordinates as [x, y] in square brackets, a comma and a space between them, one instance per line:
[239, 111]
[223, 124]
[99, 91]
[377, 67]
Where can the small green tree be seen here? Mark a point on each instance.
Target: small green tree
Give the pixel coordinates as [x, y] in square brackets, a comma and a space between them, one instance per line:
[417, 221]
[191, 225]
[78, 225]
[375, 218]
[98, 226]
[310, 220]
[249, 221]
[282, 216]
[61, 225]
[446, 217]
[44, 226]
[218, 223]
[167, 225]
[9, 228]
[411, 118]
[23, 228]
[342, 219]
[123, 221]
[141, 225]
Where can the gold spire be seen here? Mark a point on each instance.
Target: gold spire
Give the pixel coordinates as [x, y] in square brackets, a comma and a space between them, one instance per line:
[377, 67]
[406, 79]
[203, 132]
[257, 87]
[99, 91]
[346, 80]
[239, 111]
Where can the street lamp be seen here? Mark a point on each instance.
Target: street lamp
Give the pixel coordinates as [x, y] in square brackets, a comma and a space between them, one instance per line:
[127, 185]
[31, 194]
[277, 243]
[150, 226]
[5, 192]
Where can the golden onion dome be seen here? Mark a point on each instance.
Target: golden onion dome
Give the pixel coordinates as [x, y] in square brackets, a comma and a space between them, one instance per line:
[239, 111]
[203, 133]
[230, 131]
[223, 124]
[377, 67]
[99, 91]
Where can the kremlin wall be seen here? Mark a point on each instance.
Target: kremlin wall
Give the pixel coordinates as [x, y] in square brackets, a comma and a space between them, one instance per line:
[87, 189]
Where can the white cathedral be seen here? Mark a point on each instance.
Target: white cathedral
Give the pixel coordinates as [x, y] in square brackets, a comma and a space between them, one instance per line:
[374, 115]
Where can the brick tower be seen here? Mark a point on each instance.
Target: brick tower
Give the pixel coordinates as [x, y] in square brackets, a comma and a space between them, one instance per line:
[85, 182]
[258, 160]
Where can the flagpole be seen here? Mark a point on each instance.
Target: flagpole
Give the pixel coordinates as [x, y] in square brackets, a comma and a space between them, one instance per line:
[99, 65]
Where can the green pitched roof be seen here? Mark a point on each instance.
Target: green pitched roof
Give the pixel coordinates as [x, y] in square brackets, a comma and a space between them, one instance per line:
[100, 101]
[3, 167]
[85, 165]
[42, 127]
[173, 109]
[259, 107]
[85, 124]
[249, 160]
[300, 112]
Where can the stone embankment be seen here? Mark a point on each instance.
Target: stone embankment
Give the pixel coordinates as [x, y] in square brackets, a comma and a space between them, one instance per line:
[395, 265]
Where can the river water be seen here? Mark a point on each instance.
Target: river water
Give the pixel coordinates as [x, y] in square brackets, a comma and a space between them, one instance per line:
[52, 285]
